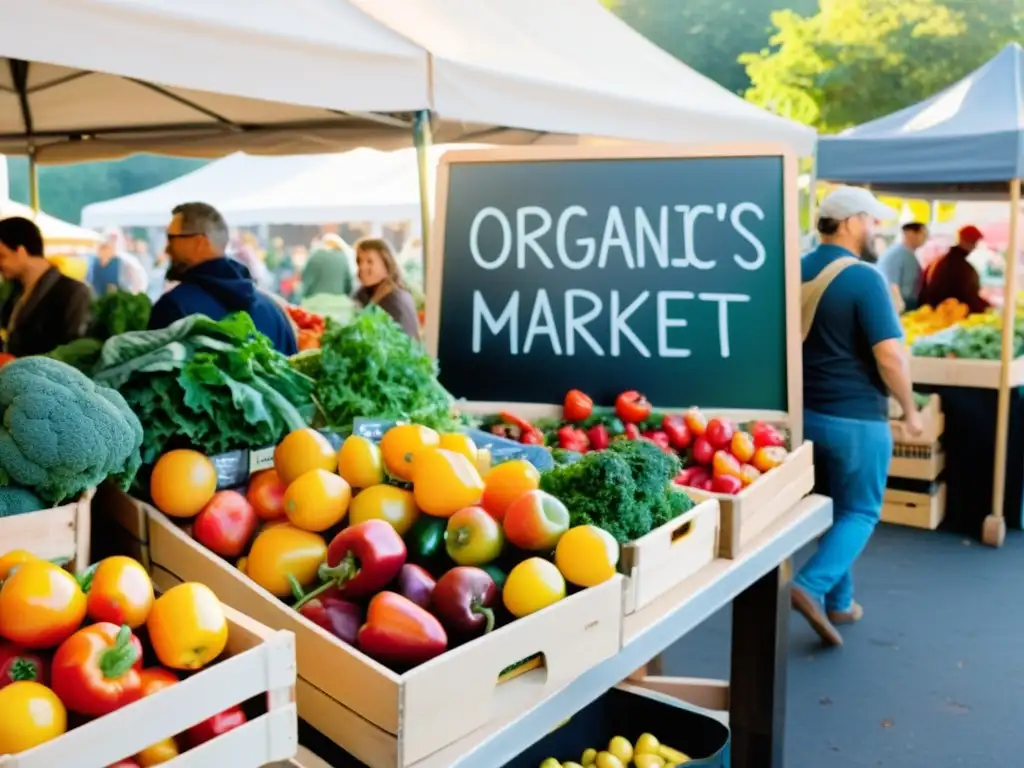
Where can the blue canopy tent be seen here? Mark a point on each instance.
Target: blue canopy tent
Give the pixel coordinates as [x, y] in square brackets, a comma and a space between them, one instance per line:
[965, 142]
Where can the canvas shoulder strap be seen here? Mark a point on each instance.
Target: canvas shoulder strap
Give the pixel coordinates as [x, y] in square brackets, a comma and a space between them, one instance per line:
[812, 291]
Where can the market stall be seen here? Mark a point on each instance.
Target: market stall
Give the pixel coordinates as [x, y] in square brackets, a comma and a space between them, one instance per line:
[966, 142]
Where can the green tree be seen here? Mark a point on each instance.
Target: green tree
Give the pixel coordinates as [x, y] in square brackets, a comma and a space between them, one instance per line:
[707, 35]
[65, 189]
[856, 60]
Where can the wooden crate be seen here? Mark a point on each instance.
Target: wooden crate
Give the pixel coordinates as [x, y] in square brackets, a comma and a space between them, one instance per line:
[952, 372]
[669, 555]
[60, 534]
[933, 420]
[918, 510]
[763, 502]
[917, 462]
[260, 662]
[383, 718]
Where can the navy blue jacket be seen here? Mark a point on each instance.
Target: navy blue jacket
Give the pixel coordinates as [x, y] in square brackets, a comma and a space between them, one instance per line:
[217, 288]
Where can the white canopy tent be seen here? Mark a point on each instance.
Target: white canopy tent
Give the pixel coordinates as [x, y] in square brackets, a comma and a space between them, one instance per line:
[58, 234]
[358, 185]
[94, 79]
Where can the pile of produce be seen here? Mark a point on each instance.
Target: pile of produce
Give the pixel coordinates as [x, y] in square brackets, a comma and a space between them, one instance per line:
[370, 367]
[648, 752]
[311, 327]
[976, 342]
[73, 649]
[927, 320]
[112, 314]
[60, 434]
[211, 385]
[716, 455]
[401, 549]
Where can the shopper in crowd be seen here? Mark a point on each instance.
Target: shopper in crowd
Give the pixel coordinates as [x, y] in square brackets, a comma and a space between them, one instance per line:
[899, 263]
[952, 276]
[45, 309]
[211, 284]
[155, 266]
[382, 283]
[853, 358]
[104, 273]
[328, 269]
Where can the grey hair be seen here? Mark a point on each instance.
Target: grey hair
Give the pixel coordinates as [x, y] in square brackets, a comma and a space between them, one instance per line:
[204, 219]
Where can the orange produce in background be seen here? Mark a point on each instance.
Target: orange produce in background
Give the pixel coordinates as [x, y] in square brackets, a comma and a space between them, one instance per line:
[447, 482]
[182, 483]
[360, 462]
[163, 751]
[507, 482]
[769, 457]
[302, 451]
[41, 605]
[400, 444]
[282, 550]
[317, 500]
[187, 627]
[118, 590]
[266, 494]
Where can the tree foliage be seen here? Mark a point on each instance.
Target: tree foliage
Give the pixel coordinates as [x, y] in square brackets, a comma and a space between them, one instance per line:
[855, 60]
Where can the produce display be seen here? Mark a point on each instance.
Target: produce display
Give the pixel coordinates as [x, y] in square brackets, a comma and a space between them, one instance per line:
[112, 314]
[311, 327]
[61, 433]
[401, 549]
[978, 341]
[716, 455]
[214, 386]
[648, 752]
[927, 320]
[371, 367]
[75, 648]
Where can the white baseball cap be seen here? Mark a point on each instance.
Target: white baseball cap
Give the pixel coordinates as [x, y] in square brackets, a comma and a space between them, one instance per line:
[845, 202]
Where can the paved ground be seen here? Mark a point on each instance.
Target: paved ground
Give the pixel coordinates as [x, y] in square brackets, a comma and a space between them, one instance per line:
[932, 678]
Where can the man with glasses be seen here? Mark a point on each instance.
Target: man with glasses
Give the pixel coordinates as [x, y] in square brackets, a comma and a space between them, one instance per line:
[853, 358]
[211, 284]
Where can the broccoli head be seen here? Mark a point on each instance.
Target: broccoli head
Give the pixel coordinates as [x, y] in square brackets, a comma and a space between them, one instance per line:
[18, 501]
[61, 432]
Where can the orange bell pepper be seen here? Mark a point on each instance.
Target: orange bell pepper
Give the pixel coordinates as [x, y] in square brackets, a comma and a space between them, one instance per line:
[41, 605]
[445, 482]
[96, 670]
[187, 627]
[13, 559]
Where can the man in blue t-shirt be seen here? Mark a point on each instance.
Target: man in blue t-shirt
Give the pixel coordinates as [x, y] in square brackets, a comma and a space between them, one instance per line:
[853, 358]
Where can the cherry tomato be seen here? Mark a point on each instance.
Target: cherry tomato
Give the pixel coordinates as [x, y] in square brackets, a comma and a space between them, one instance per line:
[577, 406]
[266, 494]
[632, 407]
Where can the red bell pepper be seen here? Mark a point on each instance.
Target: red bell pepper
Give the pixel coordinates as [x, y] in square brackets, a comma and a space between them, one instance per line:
[632, 407]
[361, 560]
[464, 600]
[96, 670]
[572, 439]
[598, 437]
[215, 726]
[678, 433]
[342, 618]
[399, 632]
[532, 437]
[17, 664]
[577, 406]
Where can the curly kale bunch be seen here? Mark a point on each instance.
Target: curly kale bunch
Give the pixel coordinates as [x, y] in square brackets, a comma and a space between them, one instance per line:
[627, 489]
[62, 433]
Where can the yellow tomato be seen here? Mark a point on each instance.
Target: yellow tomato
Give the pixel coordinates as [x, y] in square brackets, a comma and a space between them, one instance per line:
[401, 444]
[13, 559]
[587, 555]
[506, 483]
[393, 505]
[301, 451]
[281, 550]
[317, 500]
[448, 482]
[32, 715]
[456, 442]
[163, 751]
[120, 592]
[607, 760]
[41, 605]
[360, 462]
[187, 627]
[621, 748]
[182, 483]
[532, 585]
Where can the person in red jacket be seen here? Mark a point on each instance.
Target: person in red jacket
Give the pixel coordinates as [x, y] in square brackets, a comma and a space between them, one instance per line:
[951, 276]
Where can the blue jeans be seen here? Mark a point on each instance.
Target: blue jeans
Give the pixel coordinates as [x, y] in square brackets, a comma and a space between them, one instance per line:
[851, 461]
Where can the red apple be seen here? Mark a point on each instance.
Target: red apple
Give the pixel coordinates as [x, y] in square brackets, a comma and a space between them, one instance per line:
[702, 451]
[226, 524]
[719, 433]
[536, 521]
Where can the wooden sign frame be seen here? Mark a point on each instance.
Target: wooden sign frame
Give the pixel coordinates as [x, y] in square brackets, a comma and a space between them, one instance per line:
[793, 416]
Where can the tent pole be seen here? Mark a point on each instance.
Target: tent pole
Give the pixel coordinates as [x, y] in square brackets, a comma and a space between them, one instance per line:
[812, 199]
[993, 532]
[422, 139]
[33, 180]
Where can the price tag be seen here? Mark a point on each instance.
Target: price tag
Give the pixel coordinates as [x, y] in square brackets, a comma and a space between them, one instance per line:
[261, 459]
[372, 429]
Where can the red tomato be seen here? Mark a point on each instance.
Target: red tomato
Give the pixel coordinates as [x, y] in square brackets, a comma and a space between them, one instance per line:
[719, 433]
[226, 524]
[726, 484]
[17, 663]
[577, 406]
[632, 407]
[766, 436]
[221, 723]
[702, 451]
[695, 422]
[266, 494]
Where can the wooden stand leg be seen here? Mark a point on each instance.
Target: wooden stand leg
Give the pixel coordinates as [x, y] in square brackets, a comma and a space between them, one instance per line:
[757, 712]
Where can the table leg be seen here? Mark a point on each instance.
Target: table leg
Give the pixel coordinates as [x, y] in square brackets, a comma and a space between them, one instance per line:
[757, 714]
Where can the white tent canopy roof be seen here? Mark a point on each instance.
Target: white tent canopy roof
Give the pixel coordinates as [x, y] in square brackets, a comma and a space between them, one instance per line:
[56, 232]
[312, 76]
[358, 185]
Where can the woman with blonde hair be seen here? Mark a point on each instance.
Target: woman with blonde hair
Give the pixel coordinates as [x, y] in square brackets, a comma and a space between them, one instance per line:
[382, 283]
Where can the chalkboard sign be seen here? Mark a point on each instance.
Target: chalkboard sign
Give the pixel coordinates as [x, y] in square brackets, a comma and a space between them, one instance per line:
[616, 268]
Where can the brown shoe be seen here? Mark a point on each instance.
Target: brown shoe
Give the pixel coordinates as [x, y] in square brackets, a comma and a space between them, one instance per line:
[852, 616]
[811, 610]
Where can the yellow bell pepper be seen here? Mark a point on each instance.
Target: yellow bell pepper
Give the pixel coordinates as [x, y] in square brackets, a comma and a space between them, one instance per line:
[187, 627]
[445, 482]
